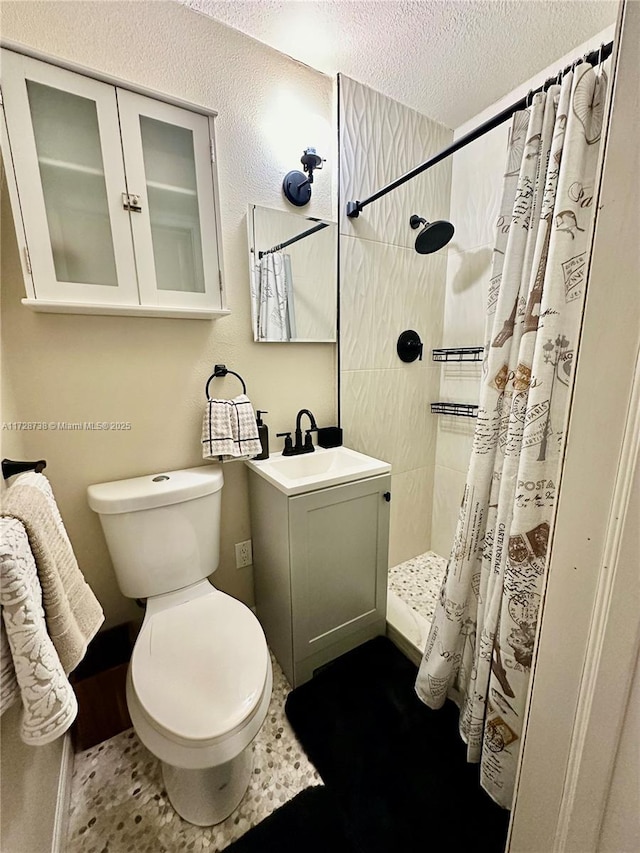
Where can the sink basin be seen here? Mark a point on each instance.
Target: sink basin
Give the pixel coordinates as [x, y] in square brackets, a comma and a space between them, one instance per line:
[294, 475]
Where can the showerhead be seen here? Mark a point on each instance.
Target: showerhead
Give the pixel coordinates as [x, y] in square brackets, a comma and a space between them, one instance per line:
[433, 236]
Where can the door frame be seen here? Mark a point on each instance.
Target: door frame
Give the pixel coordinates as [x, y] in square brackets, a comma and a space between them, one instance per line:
[570, 733]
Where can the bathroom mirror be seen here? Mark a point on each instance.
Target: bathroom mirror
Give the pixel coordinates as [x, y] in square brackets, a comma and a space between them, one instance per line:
[293, 270]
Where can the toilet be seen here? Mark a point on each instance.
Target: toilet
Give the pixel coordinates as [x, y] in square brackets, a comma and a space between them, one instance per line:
[199, 681]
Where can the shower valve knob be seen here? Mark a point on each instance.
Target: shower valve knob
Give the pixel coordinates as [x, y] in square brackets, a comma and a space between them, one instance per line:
[409, 346]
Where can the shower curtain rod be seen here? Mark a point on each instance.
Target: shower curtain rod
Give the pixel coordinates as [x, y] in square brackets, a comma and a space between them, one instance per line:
[593, 58]
[280, 246]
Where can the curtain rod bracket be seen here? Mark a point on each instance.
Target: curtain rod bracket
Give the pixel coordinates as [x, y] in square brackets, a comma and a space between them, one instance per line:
[353, 209]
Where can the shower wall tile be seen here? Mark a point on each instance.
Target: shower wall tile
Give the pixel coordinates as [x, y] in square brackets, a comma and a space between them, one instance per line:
[370, 398]
[455, 441]
[460, 381]
[386, 414]
[411, 510]
[476, 189]
[448, 490]
[386, 289]
[381, 140]
[468, 276]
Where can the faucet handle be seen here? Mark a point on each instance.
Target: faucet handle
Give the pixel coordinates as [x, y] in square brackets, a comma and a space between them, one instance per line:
[308, 441]
[288, 444]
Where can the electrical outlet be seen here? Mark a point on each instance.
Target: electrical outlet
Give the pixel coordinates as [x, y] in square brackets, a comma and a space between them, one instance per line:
[244, 557]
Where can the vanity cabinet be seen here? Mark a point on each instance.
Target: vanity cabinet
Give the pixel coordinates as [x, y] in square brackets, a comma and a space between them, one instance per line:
[113, 194]
[320, 569]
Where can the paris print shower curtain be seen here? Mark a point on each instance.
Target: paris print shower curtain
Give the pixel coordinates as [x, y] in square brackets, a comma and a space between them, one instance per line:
[272, 296]
[480, 646]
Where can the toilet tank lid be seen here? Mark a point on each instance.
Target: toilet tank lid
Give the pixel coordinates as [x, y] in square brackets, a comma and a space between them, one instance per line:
[154, 490]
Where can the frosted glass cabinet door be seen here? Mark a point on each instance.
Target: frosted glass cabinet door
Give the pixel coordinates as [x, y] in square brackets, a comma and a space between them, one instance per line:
[168, 156]
[70, 173]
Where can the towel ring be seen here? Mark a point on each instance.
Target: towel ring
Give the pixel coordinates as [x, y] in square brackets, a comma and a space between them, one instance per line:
[219, 371]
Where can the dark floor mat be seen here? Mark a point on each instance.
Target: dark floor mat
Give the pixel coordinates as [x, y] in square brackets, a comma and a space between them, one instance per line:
[397, 769]
[309, 823]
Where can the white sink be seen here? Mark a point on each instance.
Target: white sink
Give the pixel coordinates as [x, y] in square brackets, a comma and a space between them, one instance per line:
[294, 475]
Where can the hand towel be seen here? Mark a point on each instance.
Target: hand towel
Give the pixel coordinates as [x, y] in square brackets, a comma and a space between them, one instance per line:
[49, 705]
[73, 613]
[229, 429]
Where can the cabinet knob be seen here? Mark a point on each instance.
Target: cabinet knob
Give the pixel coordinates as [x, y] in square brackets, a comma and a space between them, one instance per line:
[387, 496]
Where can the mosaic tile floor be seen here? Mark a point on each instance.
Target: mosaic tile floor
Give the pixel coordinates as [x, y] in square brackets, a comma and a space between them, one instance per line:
[417, 582]
[414, 587]
[118, 803]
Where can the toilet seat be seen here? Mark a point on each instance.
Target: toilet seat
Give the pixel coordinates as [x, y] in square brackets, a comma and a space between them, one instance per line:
[199, 669]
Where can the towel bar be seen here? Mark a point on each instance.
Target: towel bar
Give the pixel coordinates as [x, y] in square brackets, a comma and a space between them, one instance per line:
[221, 370]
[11, 467]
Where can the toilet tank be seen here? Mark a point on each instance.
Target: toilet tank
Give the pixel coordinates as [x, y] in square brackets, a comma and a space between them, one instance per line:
[162, 530]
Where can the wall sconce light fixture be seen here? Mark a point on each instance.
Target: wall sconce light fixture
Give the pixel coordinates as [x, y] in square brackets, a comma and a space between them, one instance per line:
[296, 187]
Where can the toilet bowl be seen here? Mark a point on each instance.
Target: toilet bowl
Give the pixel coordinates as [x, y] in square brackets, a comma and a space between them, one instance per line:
[199, 682]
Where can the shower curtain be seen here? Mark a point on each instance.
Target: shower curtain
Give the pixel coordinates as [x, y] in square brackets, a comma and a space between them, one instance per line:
[274, 298]
[480, 647]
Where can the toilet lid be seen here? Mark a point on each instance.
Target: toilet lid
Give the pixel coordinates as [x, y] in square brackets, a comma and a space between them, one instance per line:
[199, 668]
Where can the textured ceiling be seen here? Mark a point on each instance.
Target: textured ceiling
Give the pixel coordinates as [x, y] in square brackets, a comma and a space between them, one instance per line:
[449, 59]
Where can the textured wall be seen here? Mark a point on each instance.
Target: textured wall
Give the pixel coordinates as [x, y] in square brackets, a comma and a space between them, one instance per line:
[386, 288]
[152, 371]
[445, 58]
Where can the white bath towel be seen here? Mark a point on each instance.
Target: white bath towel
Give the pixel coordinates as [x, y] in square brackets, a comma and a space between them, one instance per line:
[229, 430]
[49, 705]
[73, 613]
[9, 687]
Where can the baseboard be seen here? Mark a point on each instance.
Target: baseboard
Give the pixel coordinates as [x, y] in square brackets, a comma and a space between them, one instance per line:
[63, 800]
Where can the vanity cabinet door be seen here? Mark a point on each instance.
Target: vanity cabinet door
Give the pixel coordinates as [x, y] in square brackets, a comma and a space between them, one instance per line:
[69, 170]
[168, 153]
[339, 551]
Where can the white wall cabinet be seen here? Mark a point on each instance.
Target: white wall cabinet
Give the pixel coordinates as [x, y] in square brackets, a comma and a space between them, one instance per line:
[113, 193]
[320, 569]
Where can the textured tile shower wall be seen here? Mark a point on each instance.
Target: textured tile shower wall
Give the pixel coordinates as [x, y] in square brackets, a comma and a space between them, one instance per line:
[476, 187]
[386, 288]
